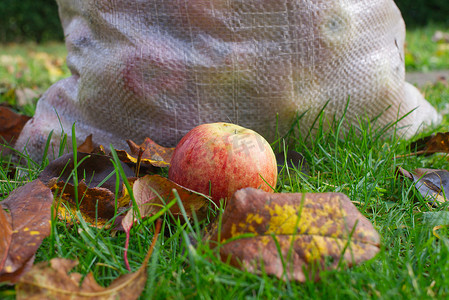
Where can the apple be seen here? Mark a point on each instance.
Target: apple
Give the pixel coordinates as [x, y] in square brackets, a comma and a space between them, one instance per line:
[217, 159]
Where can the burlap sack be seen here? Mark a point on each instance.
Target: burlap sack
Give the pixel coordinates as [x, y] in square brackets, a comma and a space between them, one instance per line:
[158, 68]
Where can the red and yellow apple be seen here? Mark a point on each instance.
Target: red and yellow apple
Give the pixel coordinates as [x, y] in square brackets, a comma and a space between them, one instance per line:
[217, 159]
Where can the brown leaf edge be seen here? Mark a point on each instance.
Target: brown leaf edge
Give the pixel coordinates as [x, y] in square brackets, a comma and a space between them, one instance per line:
[31, 285]
[11, 125]
[148, 153]
[422, 178]
[87, 146]
[435, 143]
[30, 213]
[147, 191]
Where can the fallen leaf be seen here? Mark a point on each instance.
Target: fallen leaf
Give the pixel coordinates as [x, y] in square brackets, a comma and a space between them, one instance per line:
[51, 280]
[97, 205]
[287, 234]
[153, 154]
[431, 144]
[5, 235]
[150, 189]
[11, 124]
[94, 169]
[153, 192]
[29, 207]
[87, 146]
[431, 183]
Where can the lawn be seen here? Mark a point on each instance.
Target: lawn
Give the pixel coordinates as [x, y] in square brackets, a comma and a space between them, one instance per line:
[414, 256]
[425, 51]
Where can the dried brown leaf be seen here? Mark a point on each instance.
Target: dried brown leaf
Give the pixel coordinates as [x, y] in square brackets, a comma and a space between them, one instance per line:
[87, 146]
[30, 210]
[153, 192]
[5, 235]
[94, 169]
[50, 280]
[438, 142]
[323, 229]
[432, 184]
[97, 205]
[153, 154]
[150, 189]
[11, 124]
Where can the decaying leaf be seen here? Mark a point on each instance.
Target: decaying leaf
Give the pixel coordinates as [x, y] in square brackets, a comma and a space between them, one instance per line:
[153, 154]
[50, 280]
[97, 205]
[285, 234]
[87, 146]
[5, 235]
[30, 213]
[431, 144]
[11, 124]
[93, 169]
[432, 184]
[153, 192]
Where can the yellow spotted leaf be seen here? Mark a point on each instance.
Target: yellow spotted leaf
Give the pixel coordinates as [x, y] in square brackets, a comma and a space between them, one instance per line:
[5, 235]
[287, 234]
[97, 205]
[151, 153]
[29, 215]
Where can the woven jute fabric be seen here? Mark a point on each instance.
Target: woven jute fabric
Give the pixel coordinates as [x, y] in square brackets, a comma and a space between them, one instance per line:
[158, 68]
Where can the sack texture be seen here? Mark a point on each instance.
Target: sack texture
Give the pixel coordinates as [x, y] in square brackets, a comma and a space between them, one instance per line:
[158, 68]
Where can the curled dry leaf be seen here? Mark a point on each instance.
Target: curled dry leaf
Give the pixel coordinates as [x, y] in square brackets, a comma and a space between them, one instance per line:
[432, 184]
[51, 280]
[29, 216]
[5, 235]
[87, 146]
[438, 142]
[97, 205]
[309, 229]
[11, 124]
[153, 154]
[153, 192]
[93, 169]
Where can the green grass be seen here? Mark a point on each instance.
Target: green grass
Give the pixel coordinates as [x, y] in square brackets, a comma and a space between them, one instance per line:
[423, 54]
[30, 67]
[412, 264]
